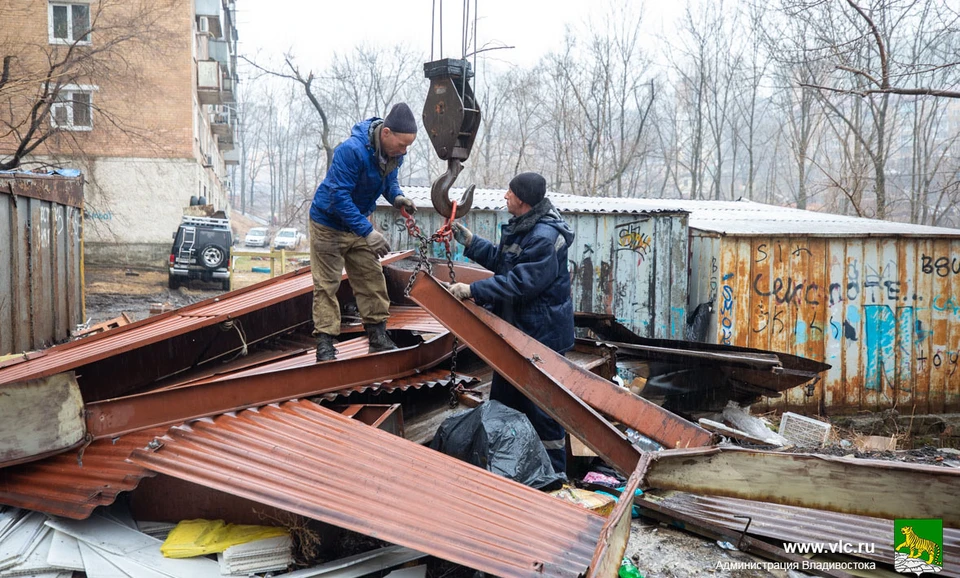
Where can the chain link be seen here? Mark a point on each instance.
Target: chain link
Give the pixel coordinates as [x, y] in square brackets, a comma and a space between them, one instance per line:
[443, 235]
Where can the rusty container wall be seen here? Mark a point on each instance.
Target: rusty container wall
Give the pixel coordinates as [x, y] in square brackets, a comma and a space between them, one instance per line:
[884, 312]
[628, 264]
[41, 285]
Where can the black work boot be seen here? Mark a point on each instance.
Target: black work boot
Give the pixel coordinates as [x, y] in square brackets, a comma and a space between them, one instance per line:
[325, 348]
[377, 335]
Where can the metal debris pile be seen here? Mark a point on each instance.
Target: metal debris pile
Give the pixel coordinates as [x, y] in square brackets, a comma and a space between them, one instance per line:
[219, 410]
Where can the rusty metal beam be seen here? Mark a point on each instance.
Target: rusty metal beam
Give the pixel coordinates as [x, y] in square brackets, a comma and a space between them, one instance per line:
[646, 417]
[122, 415]
[533, 376]
[851, 486]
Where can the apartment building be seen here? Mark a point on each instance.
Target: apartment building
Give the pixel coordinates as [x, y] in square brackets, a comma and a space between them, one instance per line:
[146, 110]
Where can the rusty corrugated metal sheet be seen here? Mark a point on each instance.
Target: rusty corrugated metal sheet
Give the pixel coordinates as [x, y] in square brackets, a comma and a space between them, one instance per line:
[72, 484]
[309, 460]
[793, 524]
[629, 264]
[428, 379]
[158, 328]
[884, 312]
[41, 289]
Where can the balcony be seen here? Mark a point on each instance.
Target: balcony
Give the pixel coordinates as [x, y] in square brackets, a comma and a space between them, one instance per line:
[225, 143]
[228, 94]
[231, 157]
[219, 50]
[220, 124]
[208, 82]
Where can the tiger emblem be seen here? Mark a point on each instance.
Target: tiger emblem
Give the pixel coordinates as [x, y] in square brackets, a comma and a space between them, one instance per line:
[918, 545]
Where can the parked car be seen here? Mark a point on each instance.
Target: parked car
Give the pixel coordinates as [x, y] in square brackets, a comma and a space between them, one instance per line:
[201, 250]
[256, 237]
[287, 238]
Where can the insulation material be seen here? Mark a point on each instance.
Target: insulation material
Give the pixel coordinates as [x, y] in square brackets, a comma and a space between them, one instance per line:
[200, 537]
[266, 555]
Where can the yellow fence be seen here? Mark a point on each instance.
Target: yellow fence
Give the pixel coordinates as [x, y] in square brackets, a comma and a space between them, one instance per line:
[274, 256]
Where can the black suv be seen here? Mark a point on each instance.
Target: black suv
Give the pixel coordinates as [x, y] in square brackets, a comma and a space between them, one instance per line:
[201, 250]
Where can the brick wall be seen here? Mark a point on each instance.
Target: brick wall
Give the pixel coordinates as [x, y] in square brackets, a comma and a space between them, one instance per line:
[141, 61]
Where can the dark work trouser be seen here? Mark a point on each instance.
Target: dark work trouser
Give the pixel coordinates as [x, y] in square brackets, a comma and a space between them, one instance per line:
[551, 433]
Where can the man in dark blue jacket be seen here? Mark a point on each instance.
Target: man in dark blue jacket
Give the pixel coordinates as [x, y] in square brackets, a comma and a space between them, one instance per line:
[530, 289]
[364, 168]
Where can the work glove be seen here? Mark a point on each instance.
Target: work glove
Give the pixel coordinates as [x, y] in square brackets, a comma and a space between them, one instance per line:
[463, 235]
[460, 290]
[402, 202]
[378, 243]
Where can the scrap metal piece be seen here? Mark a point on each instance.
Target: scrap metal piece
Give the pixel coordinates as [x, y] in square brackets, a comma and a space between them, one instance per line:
[793, 524]
[487, 335]
[851, 486]
[122, 415]
[695, 376]
[698, 525]
[536, 378]
[314, 462]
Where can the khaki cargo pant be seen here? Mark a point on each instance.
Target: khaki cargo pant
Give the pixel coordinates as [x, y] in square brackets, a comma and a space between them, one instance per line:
[330, 252]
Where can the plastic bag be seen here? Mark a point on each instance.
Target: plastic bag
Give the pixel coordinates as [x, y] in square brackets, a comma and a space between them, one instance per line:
[499, 439]
[200, 537]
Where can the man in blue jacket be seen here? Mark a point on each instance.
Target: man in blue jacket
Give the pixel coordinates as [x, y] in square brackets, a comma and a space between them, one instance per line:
[364, 168]
[530, 289]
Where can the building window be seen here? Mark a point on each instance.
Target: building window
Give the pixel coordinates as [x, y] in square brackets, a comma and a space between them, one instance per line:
[69, 23]
[73, 109]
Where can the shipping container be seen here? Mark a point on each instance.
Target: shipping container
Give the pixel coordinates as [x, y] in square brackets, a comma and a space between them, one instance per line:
[629, 257]
[879, 301]
[41, 256]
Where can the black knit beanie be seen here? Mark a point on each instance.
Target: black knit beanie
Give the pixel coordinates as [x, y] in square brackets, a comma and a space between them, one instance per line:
[529, 187]
[400, 119]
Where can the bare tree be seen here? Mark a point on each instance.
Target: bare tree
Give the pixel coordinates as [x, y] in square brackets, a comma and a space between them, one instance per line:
[36, 73]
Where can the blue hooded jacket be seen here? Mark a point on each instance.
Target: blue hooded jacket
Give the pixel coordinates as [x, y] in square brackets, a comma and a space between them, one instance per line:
[530, 288]
[348, 194]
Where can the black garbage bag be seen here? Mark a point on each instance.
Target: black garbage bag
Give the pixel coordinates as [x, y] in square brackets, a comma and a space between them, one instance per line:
[499, 439]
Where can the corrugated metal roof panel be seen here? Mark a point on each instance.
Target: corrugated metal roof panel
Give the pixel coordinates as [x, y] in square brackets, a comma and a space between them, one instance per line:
[429, 378]
[72, 484]
[741, 217]
[309, 460]
[158, 328]
[793, 524]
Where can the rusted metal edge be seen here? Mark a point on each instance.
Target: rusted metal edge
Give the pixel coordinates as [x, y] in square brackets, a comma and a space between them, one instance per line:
[616, 531]
[533, 375]
[123, 415]
[602, 395]
[312, 461]
[740, 540]
[851, 486]
[188, 311]
[52, 188]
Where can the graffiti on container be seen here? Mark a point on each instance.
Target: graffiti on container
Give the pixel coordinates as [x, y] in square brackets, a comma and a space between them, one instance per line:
[873, 309]
[726, 311]
[632, 238]
[788, 291]
[940, 266]
[714, 283]
[44, 226]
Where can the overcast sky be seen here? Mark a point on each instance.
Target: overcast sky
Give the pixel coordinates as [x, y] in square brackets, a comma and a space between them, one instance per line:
[315, 29]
